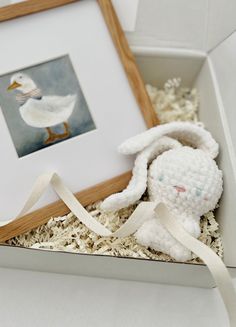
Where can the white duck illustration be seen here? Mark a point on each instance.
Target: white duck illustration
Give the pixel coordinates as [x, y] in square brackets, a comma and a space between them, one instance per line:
[42, 111]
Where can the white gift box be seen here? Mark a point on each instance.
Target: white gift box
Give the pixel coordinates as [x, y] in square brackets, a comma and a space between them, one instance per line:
[193, 40]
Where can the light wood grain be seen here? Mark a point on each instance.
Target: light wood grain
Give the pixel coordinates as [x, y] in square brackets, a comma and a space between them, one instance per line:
[129, 63]
[116, 184]
[30, 7]
[58, 208]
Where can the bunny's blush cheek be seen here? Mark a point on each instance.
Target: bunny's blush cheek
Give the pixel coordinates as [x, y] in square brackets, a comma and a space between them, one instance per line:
[179, 189]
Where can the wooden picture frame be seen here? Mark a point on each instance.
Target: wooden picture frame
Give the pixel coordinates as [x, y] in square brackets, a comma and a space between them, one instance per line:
[113, 185]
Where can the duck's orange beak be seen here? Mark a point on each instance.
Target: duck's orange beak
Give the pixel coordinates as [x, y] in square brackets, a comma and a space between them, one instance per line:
[13, 86]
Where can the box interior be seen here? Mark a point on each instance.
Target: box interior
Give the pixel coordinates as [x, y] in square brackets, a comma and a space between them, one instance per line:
[156, 66]
[212, 114]
[196, 70]
[223, 60]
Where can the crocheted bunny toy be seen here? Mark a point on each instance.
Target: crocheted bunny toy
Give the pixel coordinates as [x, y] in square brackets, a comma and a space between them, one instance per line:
[184, 177]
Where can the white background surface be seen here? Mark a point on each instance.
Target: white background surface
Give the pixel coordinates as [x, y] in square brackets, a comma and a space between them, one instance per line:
[30, 299]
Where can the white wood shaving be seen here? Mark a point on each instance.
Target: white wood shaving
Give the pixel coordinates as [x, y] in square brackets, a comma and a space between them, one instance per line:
[67, 233]
[174, 103]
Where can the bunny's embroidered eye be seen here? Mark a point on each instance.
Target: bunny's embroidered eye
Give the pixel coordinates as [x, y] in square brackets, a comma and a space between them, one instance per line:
[160, 178]
[198, 191]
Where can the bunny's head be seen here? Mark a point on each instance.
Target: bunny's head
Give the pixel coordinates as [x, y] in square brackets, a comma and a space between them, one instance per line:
[186, 180]
[184, 177]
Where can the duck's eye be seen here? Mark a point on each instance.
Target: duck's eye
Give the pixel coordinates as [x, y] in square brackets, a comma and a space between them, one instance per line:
[198, 191]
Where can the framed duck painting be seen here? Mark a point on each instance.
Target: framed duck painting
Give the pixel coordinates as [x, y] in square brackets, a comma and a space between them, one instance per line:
[70, 93]
[41, 112]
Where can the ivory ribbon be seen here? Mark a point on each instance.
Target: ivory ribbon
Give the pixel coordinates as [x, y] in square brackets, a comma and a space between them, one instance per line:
[140, 214]
[214, 263]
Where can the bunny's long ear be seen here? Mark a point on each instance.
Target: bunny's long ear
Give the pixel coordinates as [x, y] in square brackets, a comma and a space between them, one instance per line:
[186, 132]
[138, 182]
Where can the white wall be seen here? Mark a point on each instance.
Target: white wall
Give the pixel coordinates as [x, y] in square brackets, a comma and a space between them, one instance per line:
[171, 23]
[221, 21]
[200, 24]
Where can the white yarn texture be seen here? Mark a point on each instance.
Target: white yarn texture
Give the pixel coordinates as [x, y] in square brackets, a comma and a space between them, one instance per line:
[185, 178]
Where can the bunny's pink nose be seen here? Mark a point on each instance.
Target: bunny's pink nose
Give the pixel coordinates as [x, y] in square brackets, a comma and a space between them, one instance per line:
[180, 189]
